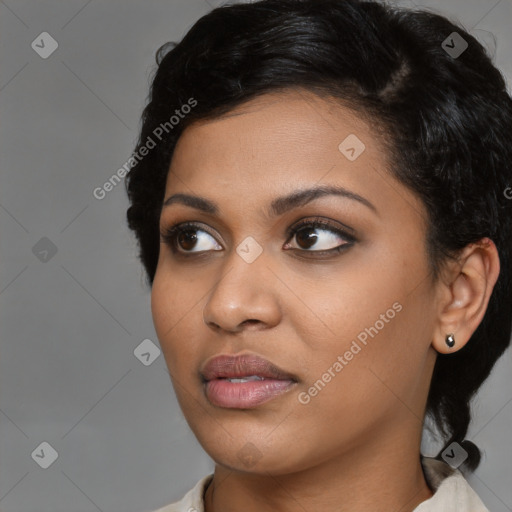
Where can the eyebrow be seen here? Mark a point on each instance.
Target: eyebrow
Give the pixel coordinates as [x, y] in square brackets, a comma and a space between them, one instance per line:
[279, 205]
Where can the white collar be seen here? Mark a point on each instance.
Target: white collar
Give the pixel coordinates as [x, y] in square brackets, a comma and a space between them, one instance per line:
[452, 493]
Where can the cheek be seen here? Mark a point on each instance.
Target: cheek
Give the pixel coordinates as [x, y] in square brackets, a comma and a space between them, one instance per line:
[376, 318]
[348, 302]
[163, 305]
[174, 308]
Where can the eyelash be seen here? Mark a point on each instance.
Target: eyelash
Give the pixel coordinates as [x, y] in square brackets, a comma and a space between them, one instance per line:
[170, 235]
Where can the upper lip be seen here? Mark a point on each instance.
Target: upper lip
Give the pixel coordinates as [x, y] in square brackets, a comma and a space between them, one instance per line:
[237, 366]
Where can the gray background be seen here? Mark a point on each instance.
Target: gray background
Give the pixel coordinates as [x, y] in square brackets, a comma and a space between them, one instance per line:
[70, 325]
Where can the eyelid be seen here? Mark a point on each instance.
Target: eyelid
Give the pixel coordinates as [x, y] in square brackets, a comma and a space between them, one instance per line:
[323, 223]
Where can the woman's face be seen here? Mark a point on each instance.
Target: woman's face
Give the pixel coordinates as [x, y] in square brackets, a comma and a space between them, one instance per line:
[351, 329]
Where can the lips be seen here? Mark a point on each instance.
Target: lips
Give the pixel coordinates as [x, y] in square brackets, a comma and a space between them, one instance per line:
[244, 381]
[237, 367]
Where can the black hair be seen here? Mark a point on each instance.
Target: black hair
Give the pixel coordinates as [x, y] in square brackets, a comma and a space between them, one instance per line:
[446, 119]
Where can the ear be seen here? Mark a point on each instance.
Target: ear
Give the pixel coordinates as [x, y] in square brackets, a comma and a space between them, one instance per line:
[464, 293]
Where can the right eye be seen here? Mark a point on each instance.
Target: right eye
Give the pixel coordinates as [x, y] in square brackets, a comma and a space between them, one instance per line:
[183, 238]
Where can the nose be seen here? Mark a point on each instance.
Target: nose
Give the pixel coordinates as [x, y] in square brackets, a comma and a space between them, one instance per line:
[244, 297]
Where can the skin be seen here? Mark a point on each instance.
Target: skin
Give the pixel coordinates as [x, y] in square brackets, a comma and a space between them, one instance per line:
[355, 445]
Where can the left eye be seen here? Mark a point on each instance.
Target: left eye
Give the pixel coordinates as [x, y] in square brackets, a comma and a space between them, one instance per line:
[321, 236]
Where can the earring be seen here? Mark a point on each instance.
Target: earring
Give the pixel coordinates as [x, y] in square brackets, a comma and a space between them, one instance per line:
[450, 340]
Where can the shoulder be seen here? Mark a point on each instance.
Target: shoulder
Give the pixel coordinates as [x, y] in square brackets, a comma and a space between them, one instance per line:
[452, 493]
[192, 501]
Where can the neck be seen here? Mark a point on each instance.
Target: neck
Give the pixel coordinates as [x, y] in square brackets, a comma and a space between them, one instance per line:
[383, 474]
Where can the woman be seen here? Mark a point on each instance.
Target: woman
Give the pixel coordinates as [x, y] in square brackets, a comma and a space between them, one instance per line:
[319, 192]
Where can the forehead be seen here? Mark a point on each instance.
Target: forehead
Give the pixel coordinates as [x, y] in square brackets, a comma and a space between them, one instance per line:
[280, 132]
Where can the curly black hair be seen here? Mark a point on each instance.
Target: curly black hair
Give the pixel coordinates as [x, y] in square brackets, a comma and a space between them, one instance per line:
[445, 117]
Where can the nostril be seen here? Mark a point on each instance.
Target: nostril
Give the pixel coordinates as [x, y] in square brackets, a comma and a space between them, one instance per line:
[250, 322]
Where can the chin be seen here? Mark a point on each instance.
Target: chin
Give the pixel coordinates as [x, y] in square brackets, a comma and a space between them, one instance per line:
[252, 451]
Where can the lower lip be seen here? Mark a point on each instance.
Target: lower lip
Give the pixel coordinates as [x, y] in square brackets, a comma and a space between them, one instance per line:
[245, 395]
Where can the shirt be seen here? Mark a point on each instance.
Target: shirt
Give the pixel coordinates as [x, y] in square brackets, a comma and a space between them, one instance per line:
[452, 493]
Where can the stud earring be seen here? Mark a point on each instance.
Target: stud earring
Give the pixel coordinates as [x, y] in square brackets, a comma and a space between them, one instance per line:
[450, 340]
